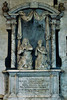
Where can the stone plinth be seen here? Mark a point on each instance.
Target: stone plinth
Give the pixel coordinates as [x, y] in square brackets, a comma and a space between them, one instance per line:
[33, 85]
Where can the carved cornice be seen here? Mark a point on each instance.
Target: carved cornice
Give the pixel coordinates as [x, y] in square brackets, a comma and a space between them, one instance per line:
[18, 11]
[34, 5]
[13, 12]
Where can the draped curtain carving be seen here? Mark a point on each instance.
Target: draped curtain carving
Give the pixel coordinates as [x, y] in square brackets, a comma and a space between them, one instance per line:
[27, 18]
[31, 14]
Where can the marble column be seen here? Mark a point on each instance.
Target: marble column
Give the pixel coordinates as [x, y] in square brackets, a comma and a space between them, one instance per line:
[19, 37]
[53, 43]
[47, 33]
[13, 36]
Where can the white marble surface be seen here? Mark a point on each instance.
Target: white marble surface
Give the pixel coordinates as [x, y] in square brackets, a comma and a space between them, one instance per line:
[56, 70]
[33, 85]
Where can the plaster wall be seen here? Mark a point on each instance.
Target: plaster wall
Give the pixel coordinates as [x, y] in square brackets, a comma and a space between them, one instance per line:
[3, 50]
[63, 51]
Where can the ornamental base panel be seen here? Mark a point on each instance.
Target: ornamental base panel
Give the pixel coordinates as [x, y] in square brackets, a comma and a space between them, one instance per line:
[33, 85]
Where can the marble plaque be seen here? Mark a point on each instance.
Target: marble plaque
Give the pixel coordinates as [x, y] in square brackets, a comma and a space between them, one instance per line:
[34, 86]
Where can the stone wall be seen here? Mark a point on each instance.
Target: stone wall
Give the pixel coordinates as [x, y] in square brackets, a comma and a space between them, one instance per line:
[62, 51]
[13, 3]
[62, 42]
[3, 50]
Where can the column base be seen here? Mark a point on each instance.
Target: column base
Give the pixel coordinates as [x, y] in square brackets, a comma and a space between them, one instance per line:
[10, 97]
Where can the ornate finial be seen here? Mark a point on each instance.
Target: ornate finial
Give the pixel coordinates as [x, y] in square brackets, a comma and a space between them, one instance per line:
[5, 7]
[61, 7]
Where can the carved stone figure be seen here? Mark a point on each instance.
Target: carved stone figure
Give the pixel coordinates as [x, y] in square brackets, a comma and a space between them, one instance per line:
[25, 59]
[41, 53]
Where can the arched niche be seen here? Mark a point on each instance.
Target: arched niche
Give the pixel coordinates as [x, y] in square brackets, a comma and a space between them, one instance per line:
[33, 5]
[25, 14]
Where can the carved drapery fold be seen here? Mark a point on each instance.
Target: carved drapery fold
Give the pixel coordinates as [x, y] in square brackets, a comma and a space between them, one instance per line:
[39, 17]
[19, 35]
[31, 14]
[26, 17]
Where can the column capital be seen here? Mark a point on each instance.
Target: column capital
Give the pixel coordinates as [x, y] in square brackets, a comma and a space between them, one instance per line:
[9, 24]
[13, 22]
[58, 25]
[53, 16]
[53, 22]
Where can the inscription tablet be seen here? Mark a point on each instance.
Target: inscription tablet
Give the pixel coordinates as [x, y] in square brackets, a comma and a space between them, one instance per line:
[34, 86]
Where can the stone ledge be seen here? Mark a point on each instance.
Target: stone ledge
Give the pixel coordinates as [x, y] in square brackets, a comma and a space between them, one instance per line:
[52, 70]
